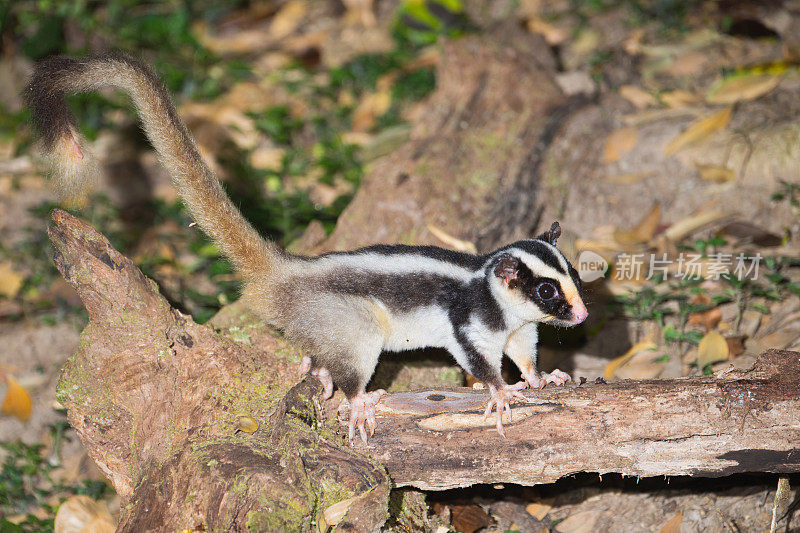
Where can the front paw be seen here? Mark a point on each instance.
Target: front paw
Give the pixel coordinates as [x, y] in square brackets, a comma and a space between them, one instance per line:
[556, 377]
[535, 381]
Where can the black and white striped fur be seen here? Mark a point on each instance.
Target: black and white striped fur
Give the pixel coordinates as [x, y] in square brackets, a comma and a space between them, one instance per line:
[344, 308]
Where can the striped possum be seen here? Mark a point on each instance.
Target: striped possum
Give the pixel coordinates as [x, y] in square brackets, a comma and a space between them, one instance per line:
[342, 308]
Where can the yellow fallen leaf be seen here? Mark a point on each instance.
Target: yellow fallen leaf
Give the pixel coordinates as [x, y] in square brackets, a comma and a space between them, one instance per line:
[247, 424]
[454, 242]
[81, 514]
[643, 231]
[619, 143]
[370, 108]
[333, 514]
[614, 364]
[637, 96]
[692, 223]
[538, 510]
[678, 98]
[17, 401]
[715, 173]
[10, 280]
[673, 525]
[699, 130]
[740, 88]
[712, 348]
[287, 19]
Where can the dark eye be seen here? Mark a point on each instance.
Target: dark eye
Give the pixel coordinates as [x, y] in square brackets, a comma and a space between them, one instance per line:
[546, 291]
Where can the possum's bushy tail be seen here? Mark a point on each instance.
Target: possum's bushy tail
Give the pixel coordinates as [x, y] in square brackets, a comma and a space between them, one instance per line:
[74, 167]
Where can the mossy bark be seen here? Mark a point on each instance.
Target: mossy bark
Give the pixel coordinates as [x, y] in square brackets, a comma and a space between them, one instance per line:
[156, 399]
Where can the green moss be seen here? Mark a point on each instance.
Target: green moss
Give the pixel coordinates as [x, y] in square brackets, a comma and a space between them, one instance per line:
[332, 492]
[287, 519]
[237, 334]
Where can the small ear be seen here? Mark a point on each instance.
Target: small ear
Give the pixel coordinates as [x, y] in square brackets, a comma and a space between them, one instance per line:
[507, 269]
[551, 235]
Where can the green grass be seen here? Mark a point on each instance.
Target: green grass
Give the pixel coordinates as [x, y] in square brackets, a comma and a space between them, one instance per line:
[26, 485]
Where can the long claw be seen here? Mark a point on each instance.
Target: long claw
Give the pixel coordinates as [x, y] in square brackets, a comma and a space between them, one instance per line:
[488, 409]
[362, 431]
[305, 364]
[499, 400]
[500, 429]
[362, 414]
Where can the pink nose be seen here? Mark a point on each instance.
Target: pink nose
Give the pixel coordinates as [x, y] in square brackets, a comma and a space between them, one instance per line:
[579, 313]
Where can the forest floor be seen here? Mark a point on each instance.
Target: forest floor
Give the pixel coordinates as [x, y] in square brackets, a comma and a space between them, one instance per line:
[686, 153]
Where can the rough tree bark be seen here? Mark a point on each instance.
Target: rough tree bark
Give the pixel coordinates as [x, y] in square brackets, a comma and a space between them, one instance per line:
[705, 426]
[159, 402]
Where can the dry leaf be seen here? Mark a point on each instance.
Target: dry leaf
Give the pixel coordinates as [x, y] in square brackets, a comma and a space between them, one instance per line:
[692, 223]
[17, 401]
[554, 36]
[453, 242]
[644, 230]
[81, 514]
[690, 63]
[715, 173]
[740, 88]
[582, 522]
[538, 510]
[631, 177]
[612, 366]
[736, 345]
[334, 514]
[370, 108]
[699, 130]
[637, 96]
[673, 525]
[712, 348]
[10, 280]
[287, 19]
[778, 340]
[740, 229]
[267, 158]
[633, 43]
[246, 424]
[708, 319]
[469, 518]
[619, 143]
[679, 98]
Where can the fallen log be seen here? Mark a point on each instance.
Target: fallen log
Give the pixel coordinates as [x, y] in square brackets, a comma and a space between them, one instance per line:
[198, 428]
[706, 426]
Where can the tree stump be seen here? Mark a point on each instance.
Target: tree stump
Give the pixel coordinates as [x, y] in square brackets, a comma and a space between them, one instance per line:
[160, 402]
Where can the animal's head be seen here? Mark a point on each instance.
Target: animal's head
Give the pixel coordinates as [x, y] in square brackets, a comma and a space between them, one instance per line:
[534, 281]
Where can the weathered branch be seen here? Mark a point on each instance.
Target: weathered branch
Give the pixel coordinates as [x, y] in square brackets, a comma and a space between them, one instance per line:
[705, 426]
[158, 401]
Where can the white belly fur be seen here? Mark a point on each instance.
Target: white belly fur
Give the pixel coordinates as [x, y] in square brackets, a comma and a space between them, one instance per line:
[423, 327]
